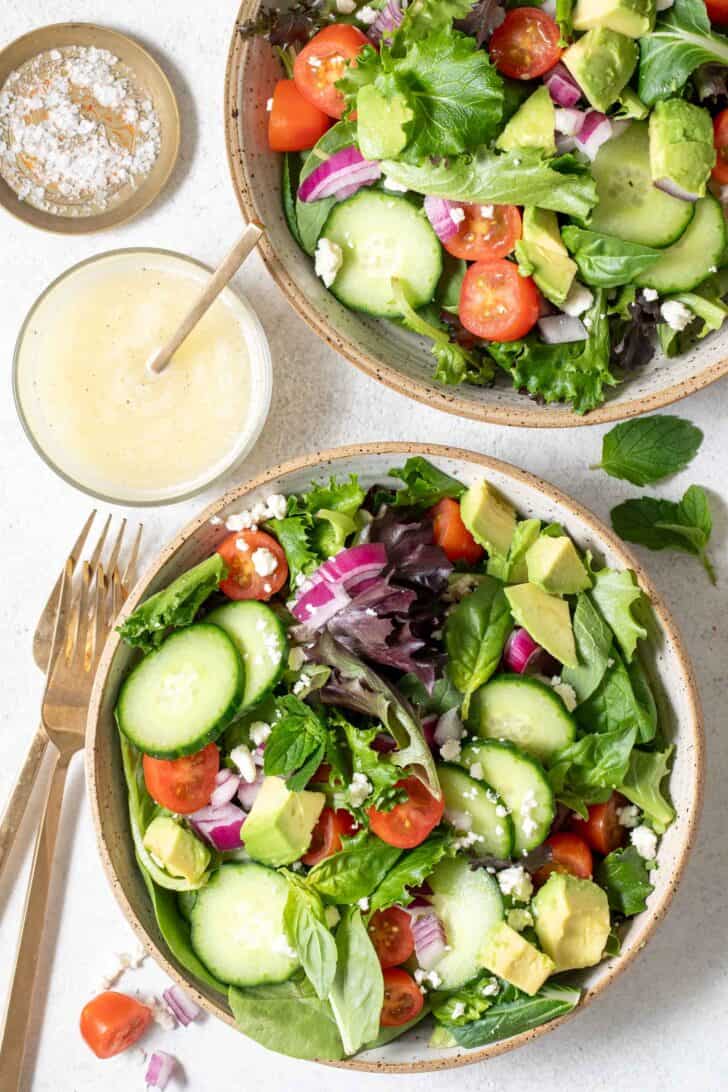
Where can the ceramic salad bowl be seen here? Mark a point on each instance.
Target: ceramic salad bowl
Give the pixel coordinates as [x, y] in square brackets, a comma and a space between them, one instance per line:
[664, 658]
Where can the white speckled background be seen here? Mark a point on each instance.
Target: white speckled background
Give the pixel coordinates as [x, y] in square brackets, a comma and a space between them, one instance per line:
[662, 1026]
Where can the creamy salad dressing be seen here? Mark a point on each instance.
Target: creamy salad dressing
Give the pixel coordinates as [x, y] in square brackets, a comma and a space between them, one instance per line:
[98, 412]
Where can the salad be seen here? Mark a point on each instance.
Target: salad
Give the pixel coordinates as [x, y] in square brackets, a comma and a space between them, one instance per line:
[537, 190]
[391, 753]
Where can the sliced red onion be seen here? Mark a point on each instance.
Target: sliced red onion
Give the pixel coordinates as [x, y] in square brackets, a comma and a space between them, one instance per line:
[563, 88]
[524, 656]
[180, 1005]
[562, 329]
[668, 186]
[341, 175]
[440, 214]
[248, 791]
[160, 1069]
[389, 18]
[219, 826]
[319, 603]
[429, 936]
[354, 565]
[226, 785]
[569, 121]
[596, 130]
[449, 726]
[429, 724]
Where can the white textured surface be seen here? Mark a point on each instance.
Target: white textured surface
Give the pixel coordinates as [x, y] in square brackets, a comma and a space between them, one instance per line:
[661, 1026]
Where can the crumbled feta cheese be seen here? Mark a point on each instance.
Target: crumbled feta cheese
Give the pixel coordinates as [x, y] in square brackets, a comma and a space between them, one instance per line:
[259, 732]
[565, 692]
[457, 215]
[644, 841]
[345, 7]
[427, 978]
[243, 760]
[267, 588]
[676, 314]
[328, 260]
[450, 750]
[332, 915]
[242, 545]
[578, 300]
[367, 15]
[466, 841]
[486, 211]
[458, 1010]
[519, 919]
[264, 561]
[649, 294]
[501, 811]
[359, 789]
[516, 882]
[629, 816]
[363, 905]
[476, 771]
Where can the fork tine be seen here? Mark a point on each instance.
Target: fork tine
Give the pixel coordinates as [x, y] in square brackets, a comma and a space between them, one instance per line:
[94, 559]
[80, 628]
[98, 630]
[73, 557]
[129, 577]
[116, 550]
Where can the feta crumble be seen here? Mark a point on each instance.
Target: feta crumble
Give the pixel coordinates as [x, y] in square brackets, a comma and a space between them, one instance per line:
[367, 15]
[676, 314]
[565, 691]
[363, 904]
[476, 771]
[273, 508]
[328, 260]
[450, 750]
[644, 841]
[578, 300]
[346, 7]
[427, 978]
[359, 789]
[649, 294]
[264, 561]
[259, 732]
[458, 1010]
[516, 882]
[629, 816]
[244, 761]
[457, 215]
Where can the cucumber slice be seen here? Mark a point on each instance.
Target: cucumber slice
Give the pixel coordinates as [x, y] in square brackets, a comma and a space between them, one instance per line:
[522, 783]
[236, 926]
[694, 256]
[473, 807]
[182, 696]
[382, 237]
[630, 205]
[468, 903]
[259, 636]
[524, 711]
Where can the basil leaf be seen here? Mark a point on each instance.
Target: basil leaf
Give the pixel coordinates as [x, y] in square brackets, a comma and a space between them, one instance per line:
[312, 215]
[685, 525]
[681, 41]
[475, 635]
[305, 924]
[425, 485]
[288, 1017]
[357, 993]
[515, 1012]
[614, 705]
[606, 261]
[297, 743]
[593, 639]
[616, 594]
[649, 448]
[411, 871]
[642, 785]
[623, 875]
[174, 606]
[354, 872]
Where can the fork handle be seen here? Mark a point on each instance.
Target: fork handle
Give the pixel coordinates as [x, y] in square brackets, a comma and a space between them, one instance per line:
[18, 802]
[20, 998]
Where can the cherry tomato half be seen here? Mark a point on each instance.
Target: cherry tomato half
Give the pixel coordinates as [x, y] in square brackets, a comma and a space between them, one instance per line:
[112, 1022]
[496, 302]
[409, 823]
[602, 830]
[402, 998]
[451, 534]
[526, 44]
[294, 123]
[488, 231]
[718, 11]
[326, 837]
[244, 580]
[720, 140]
[569, 853]
[323, 61]
[183, 784]
[391, 936]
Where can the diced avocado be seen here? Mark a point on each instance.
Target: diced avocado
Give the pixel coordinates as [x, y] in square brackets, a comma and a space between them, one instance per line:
[176, 849]
[279, 827]
[543, 256]
[546, 618]
[601, 62]
[681, 145]
[489, 517]
[572, 921]
[554, 564]
[631, 17]
[381, 123]
[532, 126]
[508, 955]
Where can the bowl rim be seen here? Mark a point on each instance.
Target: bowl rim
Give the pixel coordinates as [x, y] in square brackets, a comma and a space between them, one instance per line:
[530, 415]
[667, 625]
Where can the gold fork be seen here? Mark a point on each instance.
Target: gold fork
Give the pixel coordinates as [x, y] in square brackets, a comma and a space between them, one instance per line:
[84, 618]
[42, 642]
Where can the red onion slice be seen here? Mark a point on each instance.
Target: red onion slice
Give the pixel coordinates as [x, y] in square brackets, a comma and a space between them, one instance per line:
[341, 175]
[596, 130]
[160, 1069]
[429, 936]
[180, 1005]
[668, 186]
[354, 565]
[219, 826]
[562, 329]
[563, 88]
[319, 604]
[440, 214]
[389, 18]
[569, 121]
[226, 785]
[248, 791]
[524, 656]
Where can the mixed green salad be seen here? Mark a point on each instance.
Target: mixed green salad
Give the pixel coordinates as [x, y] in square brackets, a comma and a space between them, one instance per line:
[535, 189]
[390, 753]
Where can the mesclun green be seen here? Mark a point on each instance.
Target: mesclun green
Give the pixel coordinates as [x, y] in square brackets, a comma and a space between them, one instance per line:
[618, 596]
[623, 875]
[648, 449]
[514, 1012]
[604, 260]
[614, 705]
[682, 40]
[593, 639]
[585, 772]
[683, 525]
[475, 636]
[642, 784]
[175, 606]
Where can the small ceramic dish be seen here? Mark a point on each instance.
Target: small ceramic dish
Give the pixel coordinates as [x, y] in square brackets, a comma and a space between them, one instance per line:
[665, 660]
[131, 199]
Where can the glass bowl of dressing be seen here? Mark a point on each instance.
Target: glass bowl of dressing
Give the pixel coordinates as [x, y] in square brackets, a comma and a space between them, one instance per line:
[95, 412]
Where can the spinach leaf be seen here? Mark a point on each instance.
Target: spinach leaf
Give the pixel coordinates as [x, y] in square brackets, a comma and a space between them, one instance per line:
[466, 1004]
[512, 569]
[288, 1017]
[425, 485]
[475, 636]
[647, 449]
[522, 177]
[641, 784]
[290, 181]
[614, 705]
[176, 605]
[684, 525]
[355, 871]
[514, 1012]
[681, 41]
[623, 875]
[357, 993]
[593, 639]
[617, 594]
[605, 260]
[305, 924]
[411, 871]
[297, 743]
[312, 215]
[587, 770]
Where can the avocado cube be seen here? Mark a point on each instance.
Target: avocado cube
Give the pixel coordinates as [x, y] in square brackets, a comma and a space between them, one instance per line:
[572, 921]
[489, 517]
[280, 824]
[555, 566]
[681, 145]
[508, 955]
[634, 18]
[544, 256]
[532, 126]
[602, 63]
[546, 618]
[176, 849]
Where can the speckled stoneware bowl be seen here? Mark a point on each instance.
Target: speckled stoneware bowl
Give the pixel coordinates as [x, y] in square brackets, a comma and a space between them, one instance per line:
[381, 349]
[665, 659]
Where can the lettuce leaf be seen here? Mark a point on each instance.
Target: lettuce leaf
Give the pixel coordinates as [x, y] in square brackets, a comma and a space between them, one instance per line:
[424, 484]
[174, 606]
[682, 40]
[642, 785]
[623, 875]
[618, 595]
[514, 1012]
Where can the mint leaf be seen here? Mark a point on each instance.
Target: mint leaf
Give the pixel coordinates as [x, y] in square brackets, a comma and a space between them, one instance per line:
[649, 448]
[604, 260]
[623, 875]
[681, 41]
[668, 525]
[297, 745]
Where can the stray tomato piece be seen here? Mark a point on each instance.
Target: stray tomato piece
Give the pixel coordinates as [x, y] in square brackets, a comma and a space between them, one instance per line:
[407, 824]
[112, 1022]
[391, 935]
[602, 830]
[322, 62]
[569, 853]
[294, 123]
[526, 44]
[496, 302]
[402, 998]
[451, 534]
[488, 231]
[257, 566]
[183, 784]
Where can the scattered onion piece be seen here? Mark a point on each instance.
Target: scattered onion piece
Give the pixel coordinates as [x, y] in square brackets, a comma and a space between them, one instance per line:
[160, 1069]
